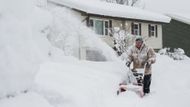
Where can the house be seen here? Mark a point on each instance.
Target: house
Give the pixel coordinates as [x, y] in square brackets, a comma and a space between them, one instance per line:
[176, 34]
[102, 16]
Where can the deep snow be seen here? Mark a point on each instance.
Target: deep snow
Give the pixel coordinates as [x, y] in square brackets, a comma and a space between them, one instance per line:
[33, 73]
[83, 83]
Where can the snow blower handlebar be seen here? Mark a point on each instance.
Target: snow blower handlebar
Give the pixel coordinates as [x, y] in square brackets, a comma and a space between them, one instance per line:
[128, 64]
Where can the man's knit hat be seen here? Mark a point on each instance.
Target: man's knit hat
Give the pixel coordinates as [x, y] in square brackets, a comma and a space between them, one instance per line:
[138, 38]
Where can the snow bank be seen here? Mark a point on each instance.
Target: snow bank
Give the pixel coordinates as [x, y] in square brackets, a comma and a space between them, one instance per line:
[23, 45]
[176, 53]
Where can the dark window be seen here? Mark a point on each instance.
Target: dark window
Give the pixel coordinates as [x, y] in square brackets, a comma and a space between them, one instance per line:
[152, 30]
[136, 28]
[106, 26]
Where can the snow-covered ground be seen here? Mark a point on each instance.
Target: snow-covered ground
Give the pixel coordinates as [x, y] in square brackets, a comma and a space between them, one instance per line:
[84, 84]
[93, 84]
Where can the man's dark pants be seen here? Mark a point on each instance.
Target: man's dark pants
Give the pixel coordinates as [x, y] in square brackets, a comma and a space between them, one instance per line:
[146, 83]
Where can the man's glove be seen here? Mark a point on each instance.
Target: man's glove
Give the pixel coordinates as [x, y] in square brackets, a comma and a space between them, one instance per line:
[128, 64]
[148, 64]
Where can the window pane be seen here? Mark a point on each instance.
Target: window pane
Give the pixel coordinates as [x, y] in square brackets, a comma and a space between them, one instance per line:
[152, 28]
[136, 29]
[99, 27]
[91, 24]
[136, 26]
[152, 33]
[106, 24]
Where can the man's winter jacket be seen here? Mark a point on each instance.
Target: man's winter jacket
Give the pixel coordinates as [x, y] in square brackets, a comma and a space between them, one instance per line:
[141, 57]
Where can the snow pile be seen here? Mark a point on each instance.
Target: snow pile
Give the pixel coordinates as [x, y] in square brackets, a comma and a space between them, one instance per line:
[176, 53]
[23, 45]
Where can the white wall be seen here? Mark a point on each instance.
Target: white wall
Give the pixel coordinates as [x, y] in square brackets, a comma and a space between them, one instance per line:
[154, 42]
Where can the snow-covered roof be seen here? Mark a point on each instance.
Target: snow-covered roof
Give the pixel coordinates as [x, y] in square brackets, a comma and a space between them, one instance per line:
[113, 10]
[182, 17]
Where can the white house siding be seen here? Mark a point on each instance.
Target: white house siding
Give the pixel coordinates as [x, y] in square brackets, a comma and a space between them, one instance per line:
[79, 16]
[116, 23]
[154, 42]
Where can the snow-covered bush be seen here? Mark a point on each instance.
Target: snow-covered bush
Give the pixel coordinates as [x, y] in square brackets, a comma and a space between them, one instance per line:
[122, 40]
[176, 53]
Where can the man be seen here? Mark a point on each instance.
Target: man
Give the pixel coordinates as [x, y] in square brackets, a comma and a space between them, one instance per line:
[142, 56]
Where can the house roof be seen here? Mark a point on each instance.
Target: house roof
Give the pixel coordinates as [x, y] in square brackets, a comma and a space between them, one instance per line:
[113, 10]
[182, 17]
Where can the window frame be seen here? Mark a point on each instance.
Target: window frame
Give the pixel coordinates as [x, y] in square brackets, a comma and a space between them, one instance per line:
[105, 29]
[134, 30]
[153, 30]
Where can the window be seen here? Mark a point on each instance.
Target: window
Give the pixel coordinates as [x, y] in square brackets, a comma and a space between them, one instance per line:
[94, 55]
[106, 27]
[136, 28]
[152, 28]
[101, 27]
